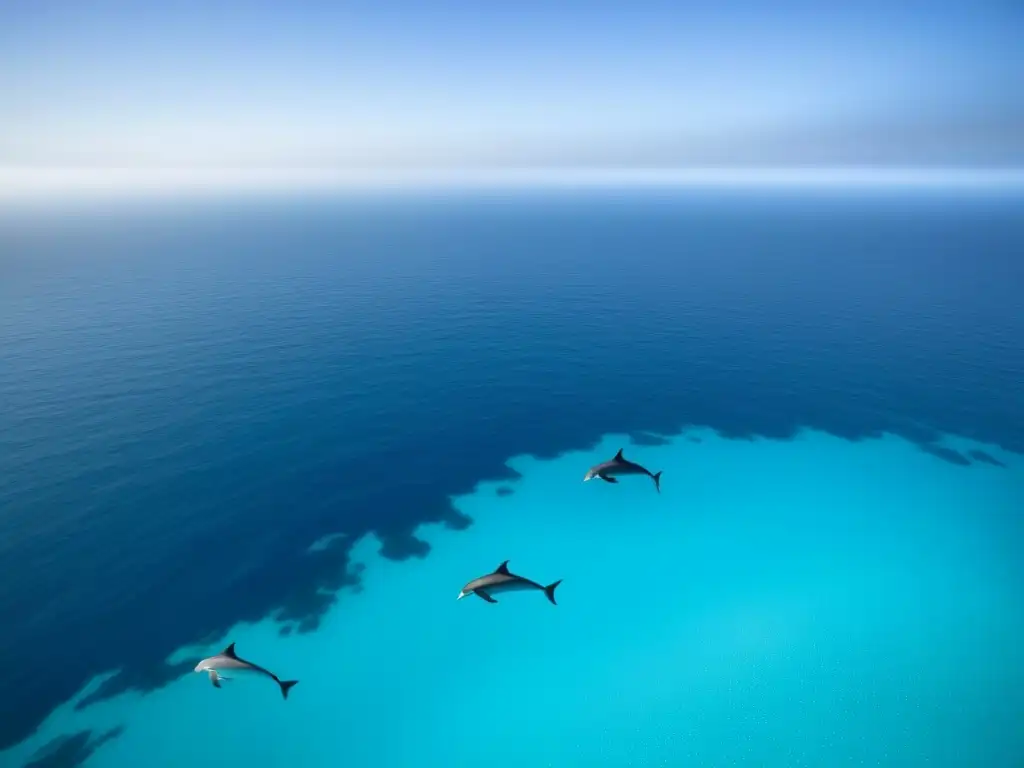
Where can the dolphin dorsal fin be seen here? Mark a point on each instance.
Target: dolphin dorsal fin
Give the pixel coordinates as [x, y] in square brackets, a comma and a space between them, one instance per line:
[619, 456]
[503, 568]
[229, 652]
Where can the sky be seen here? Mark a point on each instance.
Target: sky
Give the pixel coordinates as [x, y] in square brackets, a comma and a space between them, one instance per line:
[455, 84]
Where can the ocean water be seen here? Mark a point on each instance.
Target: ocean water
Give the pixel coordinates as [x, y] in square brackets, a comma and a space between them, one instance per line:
[302, 425]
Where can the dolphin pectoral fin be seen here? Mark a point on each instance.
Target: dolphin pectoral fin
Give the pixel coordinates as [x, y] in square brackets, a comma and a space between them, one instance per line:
[608, 479]
[480, 593]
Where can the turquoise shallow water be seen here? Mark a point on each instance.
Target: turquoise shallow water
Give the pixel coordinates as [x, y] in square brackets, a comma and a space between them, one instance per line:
[814, 601]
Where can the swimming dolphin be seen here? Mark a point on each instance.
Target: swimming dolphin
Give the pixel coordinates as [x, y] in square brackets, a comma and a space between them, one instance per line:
[502, 580]
[228, 659]
[620, 465]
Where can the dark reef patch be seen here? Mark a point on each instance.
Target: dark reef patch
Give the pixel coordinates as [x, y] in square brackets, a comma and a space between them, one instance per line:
[250, 395]
[147, 678]
[71, 751]
[946, 454]
[326, 543]
[648, 439]
[456, 520]
[985, 458]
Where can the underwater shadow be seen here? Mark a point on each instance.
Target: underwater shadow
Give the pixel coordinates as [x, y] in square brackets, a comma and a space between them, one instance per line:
[71, 751]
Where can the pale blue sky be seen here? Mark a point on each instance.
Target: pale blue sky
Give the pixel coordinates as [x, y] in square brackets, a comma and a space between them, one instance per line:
[476, 84]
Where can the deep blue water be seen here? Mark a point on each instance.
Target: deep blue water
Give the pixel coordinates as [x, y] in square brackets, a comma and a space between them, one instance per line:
[191, 394]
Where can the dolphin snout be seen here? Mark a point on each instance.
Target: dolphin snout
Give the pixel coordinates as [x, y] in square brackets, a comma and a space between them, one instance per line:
[462, 594]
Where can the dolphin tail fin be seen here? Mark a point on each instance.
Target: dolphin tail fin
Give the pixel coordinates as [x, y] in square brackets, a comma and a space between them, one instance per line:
[286, 685]
[549, 590]
[656, 477]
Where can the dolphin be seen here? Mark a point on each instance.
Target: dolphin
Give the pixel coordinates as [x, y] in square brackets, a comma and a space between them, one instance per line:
[216, 677]
[228, 659]
[620, 465]
[502, 580]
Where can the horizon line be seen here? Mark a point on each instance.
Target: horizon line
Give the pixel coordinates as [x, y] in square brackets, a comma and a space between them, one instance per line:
[20, 182]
